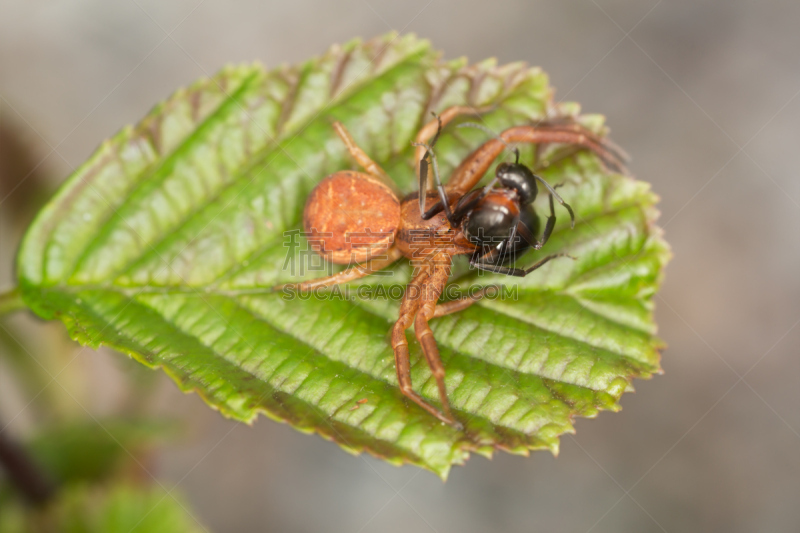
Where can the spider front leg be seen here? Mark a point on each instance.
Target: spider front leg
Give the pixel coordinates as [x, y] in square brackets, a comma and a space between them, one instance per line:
[472, 169]
[402, 363]
[410, 308]
[432, 290]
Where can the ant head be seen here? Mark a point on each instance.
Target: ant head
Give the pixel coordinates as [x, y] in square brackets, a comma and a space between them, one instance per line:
[519, 178]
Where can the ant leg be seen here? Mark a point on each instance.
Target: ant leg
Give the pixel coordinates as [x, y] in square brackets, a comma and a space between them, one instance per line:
[443, 201]
[432, 290]
[373, 169]
[464, 205]
[519, 272]
[434, 128]
[445, 117]
[349, 274]
[423, 171]
[549, 225]
[528, 237]
[560, 200]
[408, 309]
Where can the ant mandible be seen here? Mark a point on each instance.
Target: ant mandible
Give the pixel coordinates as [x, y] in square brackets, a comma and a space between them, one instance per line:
[491, 224]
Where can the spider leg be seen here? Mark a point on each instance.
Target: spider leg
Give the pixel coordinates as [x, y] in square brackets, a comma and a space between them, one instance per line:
[609, 153]
[408, 310]
[491, 134]
[454, 306]
[431, 291]
[349, 274]
[373, 169]
[472, 169]
[620, 154]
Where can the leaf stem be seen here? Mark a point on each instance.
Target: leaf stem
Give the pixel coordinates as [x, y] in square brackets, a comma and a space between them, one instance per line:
[11, 300]
[24, 473]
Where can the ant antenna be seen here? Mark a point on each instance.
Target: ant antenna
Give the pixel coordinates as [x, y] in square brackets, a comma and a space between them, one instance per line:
[493, 134]
[438, 130]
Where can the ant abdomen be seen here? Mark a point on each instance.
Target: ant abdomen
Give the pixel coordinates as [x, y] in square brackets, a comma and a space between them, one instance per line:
[492, 219]
[506, 251]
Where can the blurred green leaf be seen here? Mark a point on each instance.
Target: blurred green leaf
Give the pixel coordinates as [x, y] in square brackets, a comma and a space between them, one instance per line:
[89, 451]
[11, 301]
[119, 508]
[30, 374]
[164, 243]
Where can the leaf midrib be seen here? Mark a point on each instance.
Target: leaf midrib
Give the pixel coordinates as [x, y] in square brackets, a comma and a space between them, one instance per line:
[270, 245]
[378, 377]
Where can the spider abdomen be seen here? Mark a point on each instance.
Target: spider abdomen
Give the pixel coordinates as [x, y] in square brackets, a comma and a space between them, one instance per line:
[351, 217]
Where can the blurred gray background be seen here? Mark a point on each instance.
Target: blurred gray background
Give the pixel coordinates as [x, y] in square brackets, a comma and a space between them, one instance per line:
[705, 96]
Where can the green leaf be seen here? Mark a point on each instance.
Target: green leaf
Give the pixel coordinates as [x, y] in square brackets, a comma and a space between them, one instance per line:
[88, 451]
[165, 242]
[119, 508]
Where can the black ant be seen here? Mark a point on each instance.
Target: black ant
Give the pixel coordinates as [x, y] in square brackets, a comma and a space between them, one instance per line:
[501, 221]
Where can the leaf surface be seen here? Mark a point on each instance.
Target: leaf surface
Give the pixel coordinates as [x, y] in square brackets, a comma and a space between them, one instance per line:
[165, 242]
